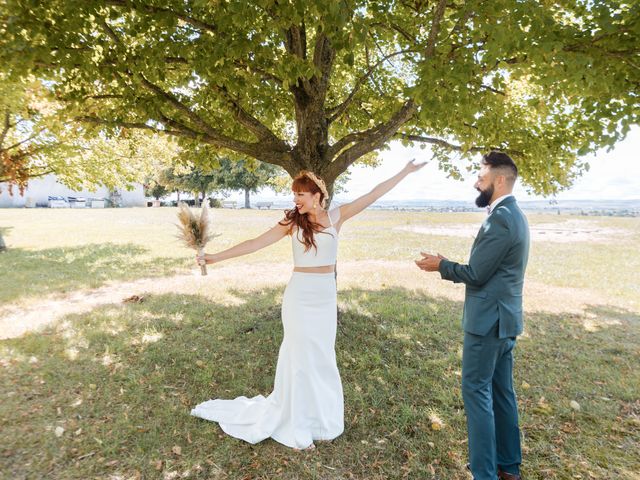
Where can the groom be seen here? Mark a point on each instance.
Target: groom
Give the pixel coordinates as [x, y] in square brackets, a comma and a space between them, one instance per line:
[492, 320]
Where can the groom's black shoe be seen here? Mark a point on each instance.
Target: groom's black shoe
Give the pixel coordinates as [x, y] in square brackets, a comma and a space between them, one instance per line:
[501, 475]
[508, 476]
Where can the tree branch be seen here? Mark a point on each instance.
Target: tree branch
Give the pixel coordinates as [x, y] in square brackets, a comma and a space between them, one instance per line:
[16, 145]
[35, 150]
[178, 105]
[323, 56]
[131, 125]
[464, 17]
[5, 127]
[439, 142]
[335, 112]
[397, 28]
[256, 150]
[248, 120]
[31, 174]
[101, 97]
[491, 89]
[450, 146]
[109, 31]
[296, 41]
[368, 142]
[251, 68]
[352, 138]
[199, 24]
[296, 44]
[435, 29]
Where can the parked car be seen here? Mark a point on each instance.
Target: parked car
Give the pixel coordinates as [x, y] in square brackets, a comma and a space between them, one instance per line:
[97, 202]
[57, 202]
[77, 202]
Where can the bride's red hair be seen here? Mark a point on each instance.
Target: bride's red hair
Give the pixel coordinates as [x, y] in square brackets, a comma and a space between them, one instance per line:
[293, 218]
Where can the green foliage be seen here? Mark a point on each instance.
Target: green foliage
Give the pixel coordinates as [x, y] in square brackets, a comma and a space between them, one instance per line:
[200, 169]
[36, 140]
[153, 189]
[187, 178]
[319, 84]
[246, 175]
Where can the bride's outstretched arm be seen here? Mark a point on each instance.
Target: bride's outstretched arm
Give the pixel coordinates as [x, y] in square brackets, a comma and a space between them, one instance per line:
[244, 248]
[348, 210]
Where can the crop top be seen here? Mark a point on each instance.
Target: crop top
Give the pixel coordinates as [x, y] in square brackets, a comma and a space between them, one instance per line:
[326, 241]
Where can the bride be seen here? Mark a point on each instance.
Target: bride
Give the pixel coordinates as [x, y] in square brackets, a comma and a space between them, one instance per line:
[307, 402]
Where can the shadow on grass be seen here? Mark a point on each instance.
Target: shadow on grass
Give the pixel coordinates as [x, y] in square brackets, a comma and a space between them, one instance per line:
[611, 315]
[122, 379]
[57, 270]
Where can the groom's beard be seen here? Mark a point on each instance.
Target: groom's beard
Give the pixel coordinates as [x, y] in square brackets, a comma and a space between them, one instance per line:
[484, 199]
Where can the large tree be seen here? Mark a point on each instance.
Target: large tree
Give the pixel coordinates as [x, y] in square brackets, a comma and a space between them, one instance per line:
[187, 177]
[248, 176]
[318, 84]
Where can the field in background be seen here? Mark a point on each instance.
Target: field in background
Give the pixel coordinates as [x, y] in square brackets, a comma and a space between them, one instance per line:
[94, 387]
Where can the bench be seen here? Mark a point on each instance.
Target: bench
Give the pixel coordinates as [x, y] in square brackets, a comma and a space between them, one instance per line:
[261, 205]
[229, 204]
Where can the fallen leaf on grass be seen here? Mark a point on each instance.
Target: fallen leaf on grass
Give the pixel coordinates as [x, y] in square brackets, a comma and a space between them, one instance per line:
[59, 431]
[543, 407]
[575, 405]
[177, 450]
[134, 299]
[436, 422]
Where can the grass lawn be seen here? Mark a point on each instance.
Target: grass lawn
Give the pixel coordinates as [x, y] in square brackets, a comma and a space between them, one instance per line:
[94, 387]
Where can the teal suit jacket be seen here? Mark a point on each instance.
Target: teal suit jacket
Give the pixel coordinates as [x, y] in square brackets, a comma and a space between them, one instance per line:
[494, 276]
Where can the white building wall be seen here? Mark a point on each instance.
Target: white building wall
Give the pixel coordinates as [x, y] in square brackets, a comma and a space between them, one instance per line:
[39, 190]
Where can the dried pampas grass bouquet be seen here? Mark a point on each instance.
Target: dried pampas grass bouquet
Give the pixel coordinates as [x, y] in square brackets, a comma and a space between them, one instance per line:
[194, 232]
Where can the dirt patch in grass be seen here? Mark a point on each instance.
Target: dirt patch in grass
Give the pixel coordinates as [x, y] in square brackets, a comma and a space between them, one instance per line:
[573, 230]
[19, 318]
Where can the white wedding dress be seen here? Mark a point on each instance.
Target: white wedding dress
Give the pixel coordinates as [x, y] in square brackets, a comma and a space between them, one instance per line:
[307, 400]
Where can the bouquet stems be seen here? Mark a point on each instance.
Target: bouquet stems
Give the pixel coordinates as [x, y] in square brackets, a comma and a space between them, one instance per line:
[203, 268]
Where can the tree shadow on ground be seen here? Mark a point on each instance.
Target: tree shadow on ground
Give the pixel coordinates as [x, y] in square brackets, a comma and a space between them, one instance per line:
[121, 381]
[58, 270]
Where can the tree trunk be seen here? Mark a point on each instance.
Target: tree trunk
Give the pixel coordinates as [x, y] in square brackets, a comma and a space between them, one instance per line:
[196, 201]
[247, 202]
[3, 246]
[178, 193]
[204, 197]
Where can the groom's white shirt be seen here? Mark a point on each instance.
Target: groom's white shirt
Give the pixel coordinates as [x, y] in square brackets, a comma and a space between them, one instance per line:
[497, 201]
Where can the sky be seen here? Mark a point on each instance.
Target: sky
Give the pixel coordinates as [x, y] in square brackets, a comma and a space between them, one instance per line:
[613, 175]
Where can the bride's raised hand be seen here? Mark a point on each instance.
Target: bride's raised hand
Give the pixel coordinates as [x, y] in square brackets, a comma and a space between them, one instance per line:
[412, 166]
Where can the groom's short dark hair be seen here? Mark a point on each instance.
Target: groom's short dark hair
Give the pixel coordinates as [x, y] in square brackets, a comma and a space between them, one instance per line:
[503, 163]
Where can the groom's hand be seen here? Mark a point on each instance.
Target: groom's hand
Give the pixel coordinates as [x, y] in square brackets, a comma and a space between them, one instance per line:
[429, 263]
